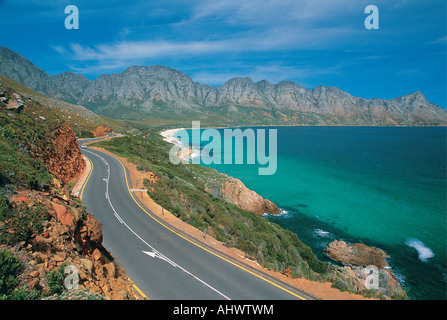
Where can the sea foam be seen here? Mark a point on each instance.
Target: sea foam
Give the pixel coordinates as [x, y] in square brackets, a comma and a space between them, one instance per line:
[283, 213]
[424, 252]
[322, 233]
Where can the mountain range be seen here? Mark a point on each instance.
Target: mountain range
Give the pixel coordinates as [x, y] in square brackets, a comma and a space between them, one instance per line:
[165, 94]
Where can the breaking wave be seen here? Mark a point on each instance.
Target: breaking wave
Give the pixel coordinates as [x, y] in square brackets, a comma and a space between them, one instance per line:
[424, 253]
[283, 213]
[322, 233]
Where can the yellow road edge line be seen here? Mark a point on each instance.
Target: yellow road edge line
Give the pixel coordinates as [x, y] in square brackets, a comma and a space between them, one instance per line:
[86, 180]
[80, 197]
[198, 245]
[140, 292]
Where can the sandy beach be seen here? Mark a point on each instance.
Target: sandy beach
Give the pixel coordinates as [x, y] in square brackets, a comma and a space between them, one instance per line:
[168, 135]
[185, 154]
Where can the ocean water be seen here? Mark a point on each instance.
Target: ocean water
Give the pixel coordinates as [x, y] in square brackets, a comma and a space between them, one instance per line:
[383, 186]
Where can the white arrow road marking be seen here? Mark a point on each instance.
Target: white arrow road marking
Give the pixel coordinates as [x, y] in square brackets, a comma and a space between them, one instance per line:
[155, 253]
[152, 254]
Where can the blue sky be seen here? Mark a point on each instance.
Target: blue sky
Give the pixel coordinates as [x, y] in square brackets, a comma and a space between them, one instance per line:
[311, 42]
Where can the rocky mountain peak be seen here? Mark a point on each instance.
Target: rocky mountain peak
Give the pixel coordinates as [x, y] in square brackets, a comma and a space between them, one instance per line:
[143, 91]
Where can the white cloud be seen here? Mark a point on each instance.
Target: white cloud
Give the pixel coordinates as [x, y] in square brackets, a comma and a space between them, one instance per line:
[268, 12]
[277, 38]
[440, 40]
[135, 50]
[60, 49]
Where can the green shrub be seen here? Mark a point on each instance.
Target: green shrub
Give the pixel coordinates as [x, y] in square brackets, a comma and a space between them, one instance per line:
[340, 285]
[24, 293]
[5, 208]
[20, 138]
[9, 269]
[318, 266]
[399, 297]
[86, 134]
[23, 223]
[55, 280]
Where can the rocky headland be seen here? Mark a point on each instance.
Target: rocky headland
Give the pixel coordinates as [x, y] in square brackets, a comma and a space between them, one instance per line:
[357, 259]
[234, 191]
[357, 254]
[223, 186]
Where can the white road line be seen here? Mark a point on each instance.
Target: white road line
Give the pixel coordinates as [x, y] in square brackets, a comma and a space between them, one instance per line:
[157, 253]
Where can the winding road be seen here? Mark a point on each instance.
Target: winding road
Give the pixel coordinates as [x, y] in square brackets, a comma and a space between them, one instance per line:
[163, 262]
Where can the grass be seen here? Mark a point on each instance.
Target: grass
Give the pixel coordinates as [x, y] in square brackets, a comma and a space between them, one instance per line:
[20, 137]
[46, 109]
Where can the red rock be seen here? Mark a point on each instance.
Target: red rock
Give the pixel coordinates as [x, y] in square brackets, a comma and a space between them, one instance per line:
[59, 257]
[51, 264]
[64, 160]
[20, 199]
[234, 191]
[62, 214]
[34, 273]
[101, 131]
[33, 283]
[97, 254]
[357, 254]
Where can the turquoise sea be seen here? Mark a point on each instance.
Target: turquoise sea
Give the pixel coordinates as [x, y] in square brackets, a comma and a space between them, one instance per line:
[383, 186]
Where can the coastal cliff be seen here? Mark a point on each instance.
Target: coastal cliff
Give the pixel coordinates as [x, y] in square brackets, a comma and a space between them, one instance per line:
[223, 186]
[234, 191]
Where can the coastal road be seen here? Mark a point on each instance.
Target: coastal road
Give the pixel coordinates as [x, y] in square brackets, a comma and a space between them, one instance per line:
[90, 140]
[163, 262]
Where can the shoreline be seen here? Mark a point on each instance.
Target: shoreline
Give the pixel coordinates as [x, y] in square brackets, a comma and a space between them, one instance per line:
[320, 290]
[168, 136]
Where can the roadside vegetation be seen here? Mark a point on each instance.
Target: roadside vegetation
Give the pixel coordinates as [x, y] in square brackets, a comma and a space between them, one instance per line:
[25, 137]
[181, 189]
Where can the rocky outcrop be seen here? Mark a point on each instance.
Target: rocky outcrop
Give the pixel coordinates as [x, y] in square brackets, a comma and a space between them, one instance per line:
[69, 237]
[357, 254]
[234, 191]
[64, 159]
[101, 131]
[357, 273]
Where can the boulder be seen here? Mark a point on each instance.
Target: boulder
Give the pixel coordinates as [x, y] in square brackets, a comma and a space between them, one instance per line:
[62, 214]
[357, 254]
[234, 191]
[17, 198]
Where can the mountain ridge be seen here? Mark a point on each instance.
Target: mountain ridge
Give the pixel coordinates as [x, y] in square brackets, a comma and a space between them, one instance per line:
[161, 92]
